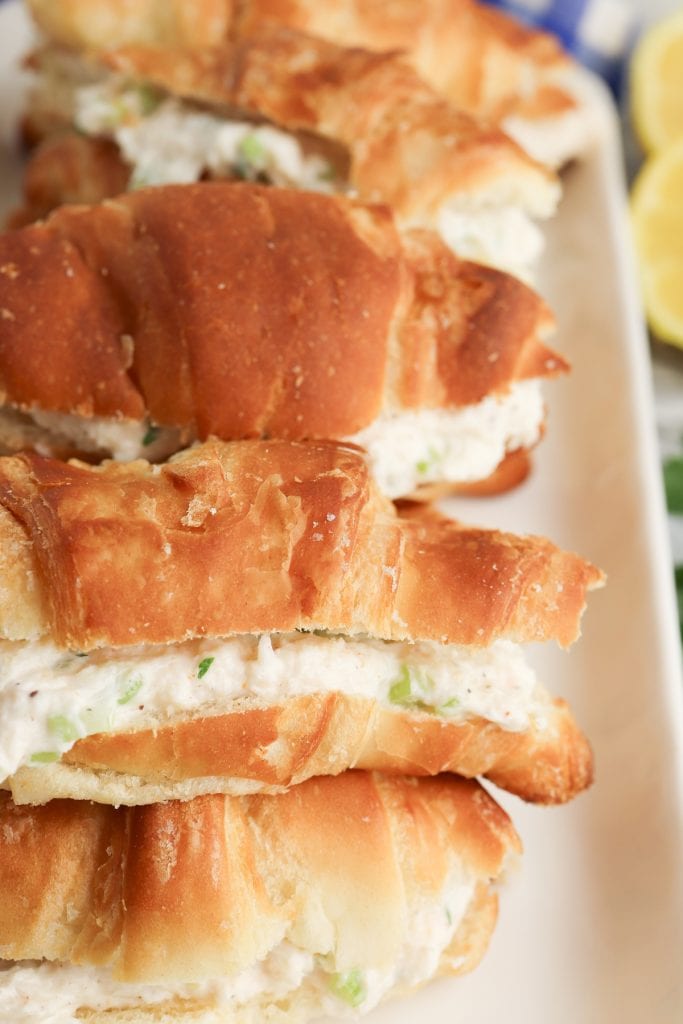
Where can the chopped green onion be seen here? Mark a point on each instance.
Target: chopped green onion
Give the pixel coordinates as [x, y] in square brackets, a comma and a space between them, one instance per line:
[427, 465]
[412, 689]
[327, 173]
[349, 986]
[239, 172]
[449, 706]
[130, 691]
[45, 756]
[204, 666]
[251, 149]
[63, 728]
[149, 98]
[151, 435]
[449, 916]
[400, 692]
[139, 179]
[118, 113]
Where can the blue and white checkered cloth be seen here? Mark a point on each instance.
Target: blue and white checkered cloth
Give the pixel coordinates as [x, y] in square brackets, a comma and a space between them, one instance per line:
[600, 33]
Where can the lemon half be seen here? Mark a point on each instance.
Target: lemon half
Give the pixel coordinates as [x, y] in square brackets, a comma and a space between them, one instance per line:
[657, 219]
[657, 84]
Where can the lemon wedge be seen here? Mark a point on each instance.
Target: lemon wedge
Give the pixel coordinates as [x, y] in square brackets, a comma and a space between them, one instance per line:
[657, 84]
[657, 219]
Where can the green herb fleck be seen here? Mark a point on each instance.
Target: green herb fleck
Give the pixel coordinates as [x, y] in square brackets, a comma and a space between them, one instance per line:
[673, 484]
[427, 465]
[139, 179]
[118, 113]
[63, 728]
[449, 706]
[400, 691]
[239, 172]
[80, 654]
[45, 756]
[449, 916]
[204, 666]
[149, 99]
[130, 691]
[251, 149]
[411, 687]
[151, 435]
[349, 986]
[327, 173]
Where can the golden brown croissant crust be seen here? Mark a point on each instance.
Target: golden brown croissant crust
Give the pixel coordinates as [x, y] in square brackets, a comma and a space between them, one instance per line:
[269, 746]
[482, 59]
[188, 891]
[256, 537]
[68, 169]
[243, 311]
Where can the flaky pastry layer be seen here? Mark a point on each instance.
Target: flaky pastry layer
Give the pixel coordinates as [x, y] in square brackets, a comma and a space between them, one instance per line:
[265, 747]
[261, 537]
[485, 61]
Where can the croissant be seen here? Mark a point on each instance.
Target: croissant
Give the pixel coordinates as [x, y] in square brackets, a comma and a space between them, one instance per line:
[236, 555]
[485, 62]
[337, 120]
[339, 893]
[240, 311]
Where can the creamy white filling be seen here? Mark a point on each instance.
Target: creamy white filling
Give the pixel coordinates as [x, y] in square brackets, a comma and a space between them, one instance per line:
[53, 433]
[552, 141]
[51, 993]
[405, 449]
[501, 236]
[412, 448]
[165, 141]
[556, 139]
[130, 439]
[49, 698]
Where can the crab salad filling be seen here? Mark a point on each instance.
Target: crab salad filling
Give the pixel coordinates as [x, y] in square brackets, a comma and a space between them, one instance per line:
[408, 449]
[168, 141]
[405, 449]
[50, 698]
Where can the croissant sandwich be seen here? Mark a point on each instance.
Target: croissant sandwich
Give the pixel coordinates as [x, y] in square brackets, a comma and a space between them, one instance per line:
[326, 899]
[252, 614]
[481, 59]
[294, 111]
[177, 313]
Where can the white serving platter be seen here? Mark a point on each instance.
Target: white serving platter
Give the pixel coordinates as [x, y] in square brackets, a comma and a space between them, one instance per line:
[591, 926]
